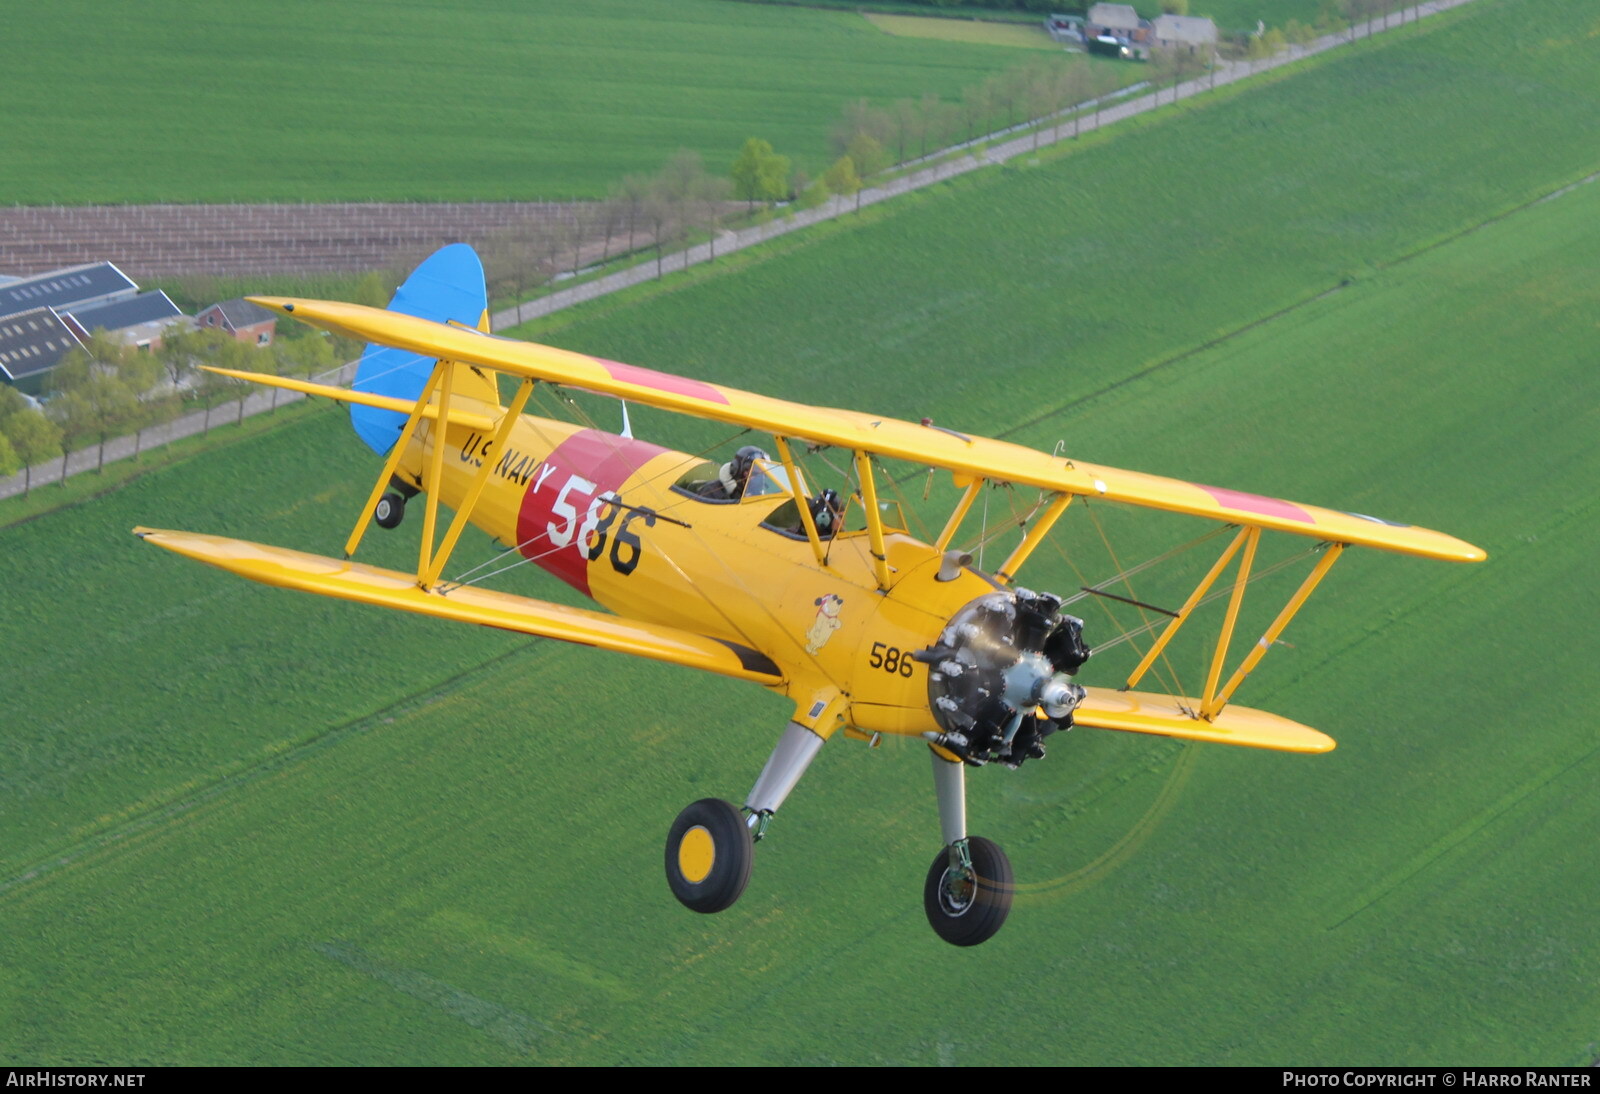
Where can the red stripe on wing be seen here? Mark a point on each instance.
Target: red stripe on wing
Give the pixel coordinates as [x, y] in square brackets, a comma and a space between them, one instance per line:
[1256, 503]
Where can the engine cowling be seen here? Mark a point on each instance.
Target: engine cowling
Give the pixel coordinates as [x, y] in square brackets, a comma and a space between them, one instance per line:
[999, 678]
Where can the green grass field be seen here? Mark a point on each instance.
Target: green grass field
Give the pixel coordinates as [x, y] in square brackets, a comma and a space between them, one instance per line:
[349, 101]
[252, 827]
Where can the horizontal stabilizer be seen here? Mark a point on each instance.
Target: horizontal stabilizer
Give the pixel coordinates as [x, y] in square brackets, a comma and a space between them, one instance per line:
[345, 395]
[1143, 712]
[467, 604]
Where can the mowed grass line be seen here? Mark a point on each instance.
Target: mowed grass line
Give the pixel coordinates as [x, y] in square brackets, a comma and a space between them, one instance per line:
[962, 30]
[1454, 389]
[510, 99]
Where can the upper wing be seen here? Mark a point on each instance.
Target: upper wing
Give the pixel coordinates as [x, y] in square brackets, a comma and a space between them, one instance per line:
[467, 604]
[974, 456]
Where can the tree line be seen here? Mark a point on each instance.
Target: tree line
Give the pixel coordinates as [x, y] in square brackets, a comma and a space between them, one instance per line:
[108, 389]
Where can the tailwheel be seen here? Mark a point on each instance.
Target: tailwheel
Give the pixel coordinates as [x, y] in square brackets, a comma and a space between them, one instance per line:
[968, 892]
[709, 851]
[390, 510]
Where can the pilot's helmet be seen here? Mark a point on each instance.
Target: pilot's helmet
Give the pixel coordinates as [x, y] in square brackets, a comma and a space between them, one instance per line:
[735, 474]
[743, 462]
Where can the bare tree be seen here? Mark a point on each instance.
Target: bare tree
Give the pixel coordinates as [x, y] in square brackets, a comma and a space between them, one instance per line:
[977, 107]
[861, 116]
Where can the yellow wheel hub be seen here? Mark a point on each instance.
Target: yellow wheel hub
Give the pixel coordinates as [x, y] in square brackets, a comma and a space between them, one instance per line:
[696, 853]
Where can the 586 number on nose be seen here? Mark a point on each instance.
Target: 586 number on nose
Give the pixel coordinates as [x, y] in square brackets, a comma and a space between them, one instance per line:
[890, 659]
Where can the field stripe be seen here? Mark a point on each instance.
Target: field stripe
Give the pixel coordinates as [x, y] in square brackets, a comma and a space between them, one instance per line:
[1455, 838]
[160, 815]
[511, 1028]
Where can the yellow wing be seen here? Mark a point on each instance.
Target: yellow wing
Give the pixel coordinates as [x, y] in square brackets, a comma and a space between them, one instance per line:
[1168, 716]
[466, 604]
[973, 456]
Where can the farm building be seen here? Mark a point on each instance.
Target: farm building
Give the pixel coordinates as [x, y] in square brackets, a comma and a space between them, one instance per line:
[75, 286]
[243, 320]
[137, 320]
[44, 316]
[1196, 34]
[1118, 21]
[31, 343]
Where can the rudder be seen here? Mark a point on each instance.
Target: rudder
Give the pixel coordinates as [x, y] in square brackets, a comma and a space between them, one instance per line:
[447, 287]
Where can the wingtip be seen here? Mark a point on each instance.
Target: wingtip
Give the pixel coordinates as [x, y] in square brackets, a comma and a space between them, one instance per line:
[273, 303]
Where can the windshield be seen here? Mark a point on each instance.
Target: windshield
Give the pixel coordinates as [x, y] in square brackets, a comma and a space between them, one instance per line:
[767, 478]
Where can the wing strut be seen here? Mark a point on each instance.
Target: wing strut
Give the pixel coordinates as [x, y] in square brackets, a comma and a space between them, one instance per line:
[800, 500]
[396, 454]
[435, 478]
[1251, 539]
[953, 525]
[1213, 700]
[1034, 537]
[431, 562]
[1183, 612]
[869, 498]
[507, 423]
[1259, 650]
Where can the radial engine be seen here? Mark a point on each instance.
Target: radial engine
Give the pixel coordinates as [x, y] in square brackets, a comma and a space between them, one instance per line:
[999, 678]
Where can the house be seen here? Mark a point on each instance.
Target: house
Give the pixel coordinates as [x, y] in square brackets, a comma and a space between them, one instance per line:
[1196, 34]
[1117, 21]
[243, 320]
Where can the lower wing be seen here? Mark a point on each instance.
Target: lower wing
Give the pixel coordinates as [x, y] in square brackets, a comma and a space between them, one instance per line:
[467, 604]
[1171, 716]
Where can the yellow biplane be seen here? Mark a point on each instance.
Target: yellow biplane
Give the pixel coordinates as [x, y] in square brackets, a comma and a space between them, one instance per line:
[746, 570]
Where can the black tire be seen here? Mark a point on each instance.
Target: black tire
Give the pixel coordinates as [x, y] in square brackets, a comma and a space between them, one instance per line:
[390, 510]
[966, 919]
[709, 852]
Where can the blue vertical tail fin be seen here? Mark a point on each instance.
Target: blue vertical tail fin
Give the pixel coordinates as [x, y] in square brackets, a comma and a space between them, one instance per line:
[448, 286]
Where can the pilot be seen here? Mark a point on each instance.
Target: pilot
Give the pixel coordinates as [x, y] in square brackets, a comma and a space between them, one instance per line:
[735, 475]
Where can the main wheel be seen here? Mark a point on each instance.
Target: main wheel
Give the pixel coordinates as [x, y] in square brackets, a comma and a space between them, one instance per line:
[390, 510]
[968, 907]
[709, 851]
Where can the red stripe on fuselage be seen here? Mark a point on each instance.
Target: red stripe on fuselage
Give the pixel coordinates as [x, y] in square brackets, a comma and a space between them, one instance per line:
[565, 495]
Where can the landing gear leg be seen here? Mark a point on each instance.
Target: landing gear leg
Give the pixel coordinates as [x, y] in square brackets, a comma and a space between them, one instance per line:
[968, 892]
[712, 844]
[793, 754]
